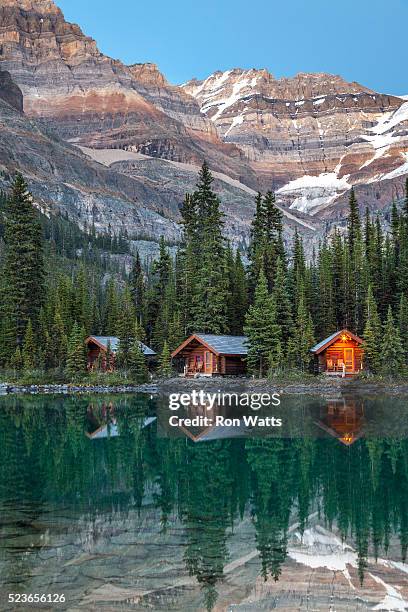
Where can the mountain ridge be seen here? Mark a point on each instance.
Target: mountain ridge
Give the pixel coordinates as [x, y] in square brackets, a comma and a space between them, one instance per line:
[310, 137]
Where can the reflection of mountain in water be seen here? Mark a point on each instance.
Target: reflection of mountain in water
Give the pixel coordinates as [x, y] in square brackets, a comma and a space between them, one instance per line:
[170, 524]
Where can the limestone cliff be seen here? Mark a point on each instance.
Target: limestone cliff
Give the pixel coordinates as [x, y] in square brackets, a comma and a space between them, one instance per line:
[312, 136]
[93, 100]
[9, 92]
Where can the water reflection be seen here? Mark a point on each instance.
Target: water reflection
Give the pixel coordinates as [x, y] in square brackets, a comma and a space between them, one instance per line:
[343, 418]
[92, 489]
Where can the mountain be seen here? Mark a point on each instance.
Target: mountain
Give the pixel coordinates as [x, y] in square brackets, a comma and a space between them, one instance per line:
[117, 146]
[311, 137]
[93, 100]
[113, 190]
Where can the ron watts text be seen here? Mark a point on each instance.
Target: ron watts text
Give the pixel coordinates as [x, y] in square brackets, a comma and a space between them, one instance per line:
[221, 421]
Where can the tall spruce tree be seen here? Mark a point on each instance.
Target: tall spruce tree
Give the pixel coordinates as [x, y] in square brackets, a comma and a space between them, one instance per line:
[262, 330]
[209, 301]
[281, 300]
[403, 324]
[303, 335]
[165, 367]
[23, 272]
[125, 328]
[29, 352]
[392, 350]
[137, 362]
[372, 335]
[137, 287]
[237, 293]
[76, 355]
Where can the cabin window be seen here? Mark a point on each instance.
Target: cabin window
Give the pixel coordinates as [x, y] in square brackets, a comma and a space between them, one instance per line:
[208, 360]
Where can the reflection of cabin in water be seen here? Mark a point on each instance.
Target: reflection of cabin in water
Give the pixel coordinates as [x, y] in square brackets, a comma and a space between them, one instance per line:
[208, 355]
[341, 354]
[343, 419]
[101, 422]
[99, 347]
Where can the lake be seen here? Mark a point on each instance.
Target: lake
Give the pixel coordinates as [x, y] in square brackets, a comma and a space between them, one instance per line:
[104, 506]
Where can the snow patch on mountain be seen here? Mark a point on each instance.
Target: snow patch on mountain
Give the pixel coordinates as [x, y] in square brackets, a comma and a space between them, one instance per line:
[320, 548]
[236, 121]
[313, 191]
[383, 134]
[391, 120]
[392, 600]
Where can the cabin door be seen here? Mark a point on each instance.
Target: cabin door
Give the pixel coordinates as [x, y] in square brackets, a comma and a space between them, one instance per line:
[349, 359]
[208, 362]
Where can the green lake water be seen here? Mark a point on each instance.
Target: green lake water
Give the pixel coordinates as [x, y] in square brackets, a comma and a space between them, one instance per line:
[103, 502]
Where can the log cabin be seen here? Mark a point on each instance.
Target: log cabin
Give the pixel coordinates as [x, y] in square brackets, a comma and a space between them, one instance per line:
[209, 355]
[99, 346]
[341, 354]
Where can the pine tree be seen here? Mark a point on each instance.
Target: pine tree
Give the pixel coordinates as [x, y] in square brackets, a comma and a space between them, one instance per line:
[372, 334]
[59, 339]
[326, 315]
[76, 354]
[340, 289]
[137, 287]
[237, 293]
[111, 309]
[137, 362]
[403, 324]
[125, 328]
[261, 328]
[281, 300]
[82, 305]
[29, 348]
[392, 350]
[16, 361]
[23, 272]
[276, 359]
[209, 301]
[256, 244]
[175, 331]
[187, 261]
[298, 266]
[303, 335]
[353, 223]
[165, 367]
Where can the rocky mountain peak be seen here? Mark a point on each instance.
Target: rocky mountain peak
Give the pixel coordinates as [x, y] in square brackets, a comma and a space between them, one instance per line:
[149, 74]
[238, 83]
[37, 31]
[39, 6]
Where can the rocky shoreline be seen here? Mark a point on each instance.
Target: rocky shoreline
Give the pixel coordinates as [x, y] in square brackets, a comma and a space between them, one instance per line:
[318, 386]
[68, 389]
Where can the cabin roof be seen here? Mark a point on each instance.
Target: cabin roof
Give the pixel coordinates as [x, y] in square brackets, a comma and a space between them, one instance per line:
[221, 345]
[320, 346]
[103, 342]
[233, 345]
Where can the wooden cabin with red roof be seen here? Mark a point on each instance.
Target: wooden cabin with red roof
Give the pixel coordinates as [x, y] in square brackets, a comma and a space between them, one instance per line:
[341, 354]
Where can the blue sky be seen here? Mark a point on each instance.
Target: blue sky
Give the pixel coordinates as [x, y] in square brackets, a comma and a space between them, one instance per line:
[363, 40]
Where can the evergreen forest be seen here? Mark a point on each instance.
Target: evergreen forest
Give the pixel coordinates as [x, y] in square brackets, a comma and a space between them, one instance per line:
[59, 284]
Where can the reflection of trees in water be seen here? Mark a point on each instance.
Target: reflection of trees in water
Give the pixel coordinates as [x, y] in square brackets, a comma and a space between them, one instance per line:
[47, 460]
